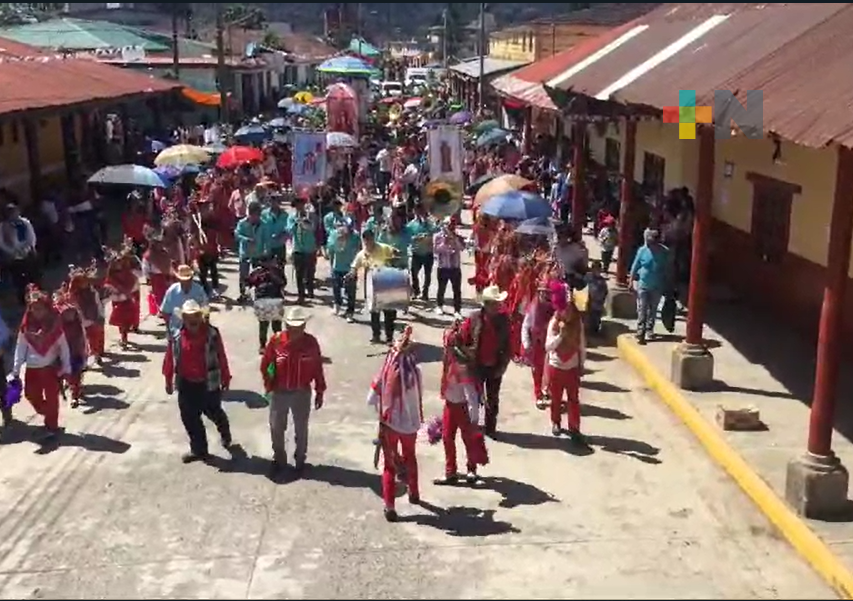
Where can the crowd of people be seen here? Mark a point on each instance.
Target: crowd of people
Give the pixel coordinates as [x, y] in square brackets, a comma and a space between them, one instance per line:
[371, 214]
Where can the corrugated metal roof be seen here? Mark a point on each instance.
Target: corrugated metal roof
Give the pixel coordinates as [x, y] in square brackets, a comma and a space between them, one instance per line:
[778, 48]
[55, 82]
[79, 34]
[491, 66]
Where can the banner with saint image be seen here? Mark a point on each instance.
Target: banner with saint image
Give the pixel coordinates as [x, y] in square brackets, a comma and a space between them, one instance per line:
[309, 158]
[445, 154]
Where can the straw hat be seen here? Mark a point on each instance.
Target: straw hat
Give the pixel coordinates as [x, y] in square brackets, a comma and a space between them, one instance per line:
[493, 294]
[296, 317]
[191, 307]
[184, 273]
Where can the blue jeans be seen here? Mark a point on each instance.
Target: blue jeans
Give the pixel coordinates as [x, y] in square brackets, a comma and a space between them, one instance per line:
[648, 302]
[341, 285]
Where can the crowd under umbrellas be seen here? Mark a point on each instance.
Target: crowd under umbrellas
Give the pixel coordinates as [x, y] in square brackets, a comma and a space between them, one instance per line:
[508, 211]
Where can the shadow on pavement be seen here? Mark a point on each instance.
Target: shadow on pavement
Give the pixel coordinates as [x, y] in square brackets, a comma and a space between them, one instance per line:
[145, 347]
[113, 370]
[337, 475]
[94, 403]
[527, 440]
[588, 410]
[593, 356]
[429, 353]
[642, 451]
[91, 442]
[250, 398]
[461, 521]
[107, 390]
[720, 386]
[601, 386]
[133, 357]
[515, 493]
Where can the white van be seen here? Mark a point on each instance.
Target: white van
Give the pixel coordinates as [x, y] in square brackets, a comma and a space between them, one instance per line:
[392, 89]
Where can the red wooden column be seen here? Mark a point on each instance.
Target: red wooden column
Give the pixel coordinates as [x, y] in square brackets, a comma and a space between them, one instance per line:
[701, 238]
[628, 165]
[832, 313]
[579, 178]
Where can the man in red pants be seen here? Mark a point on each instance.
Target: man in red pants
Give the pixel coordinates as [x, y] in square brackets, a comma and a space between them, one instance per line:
[459, 390]
[41, 346]
[533, 332]
[397, 395]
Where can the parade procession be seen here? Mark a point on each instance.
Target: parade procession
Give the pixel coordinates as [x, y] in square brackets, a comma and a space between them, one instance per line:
[362, 329]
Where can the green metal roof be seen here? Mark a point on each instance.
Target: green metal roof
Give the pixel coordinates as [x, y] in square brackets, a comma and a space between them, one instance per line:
[79, 34]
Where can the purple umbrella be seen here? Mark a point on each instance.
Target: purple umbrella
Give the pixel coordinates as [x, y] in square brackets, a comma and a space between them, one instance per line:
[461, 118]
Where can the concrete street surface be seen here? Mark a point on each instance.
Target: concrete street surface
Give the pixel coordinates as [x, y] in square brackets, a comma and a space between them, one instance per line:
[112, 513]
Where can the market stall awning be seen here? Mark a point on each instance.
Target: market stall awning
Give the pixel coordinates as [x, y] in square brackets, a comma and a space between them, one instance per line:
[797, 54]
[203, 98]
[491, 66]
[360, 47]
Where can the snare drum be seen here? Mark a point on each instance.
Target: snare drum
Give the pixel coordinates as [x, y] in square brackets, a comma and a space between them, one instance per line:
[388, 288]
[269, 309]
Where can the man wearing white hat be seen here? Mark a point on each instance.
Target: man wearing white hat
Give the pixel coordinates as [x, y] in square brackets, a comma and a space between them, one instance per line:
[196, 366]
[186, 288]
[483, 344]
[292, 363]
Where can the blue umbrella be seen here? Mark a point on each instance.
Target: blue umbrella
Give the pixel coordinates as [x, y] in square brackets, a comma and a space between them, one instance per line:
[538, 226]
[252, 134]
[286, 103]
[517, 206]
[345, 65]
[277, 122]
[491, 137]
[128, 175]
[461, 118]
[297, 109]
[169, 173]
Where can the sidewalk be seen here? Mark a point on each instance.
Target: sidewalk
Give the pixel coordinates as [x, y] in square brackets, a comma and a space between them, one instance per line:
[758, 363]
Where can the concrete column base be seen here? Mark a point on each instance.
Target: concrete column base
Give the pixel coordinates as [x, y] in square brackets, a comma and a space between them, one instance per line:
[816, 487]
[692, 366]
[621, 303]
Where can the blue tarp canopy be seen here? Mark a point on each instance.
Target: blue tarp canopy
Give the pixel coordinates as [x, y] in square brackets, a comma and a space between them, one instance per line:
[362, 48]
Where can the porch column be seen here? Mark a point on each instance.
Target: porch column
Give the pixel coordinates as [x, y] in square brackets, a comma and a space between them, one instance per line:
[578, 178]
[692, 363]
[816, 484]
[31, 139]
[620, 302]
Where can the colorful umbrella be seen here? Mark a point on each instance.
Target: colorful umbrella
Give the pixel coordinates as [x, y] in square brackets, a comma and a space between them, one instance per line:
[252, 134]
[412, 103]
[303, 97]
[481, 181]
[345, 65]
[278, 122]
[182, 154]
[169, 173]
[339, 139]
[517, 206]
[538, 226]
[485, 126]
[286, 103]
[500, 185]
[239, 155]
[128, 175]
[492, 137]
[460, 118]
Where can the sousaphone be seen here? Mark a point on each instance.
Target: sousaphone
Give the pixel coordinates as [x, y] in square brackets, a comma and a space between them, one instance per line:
[442, 198]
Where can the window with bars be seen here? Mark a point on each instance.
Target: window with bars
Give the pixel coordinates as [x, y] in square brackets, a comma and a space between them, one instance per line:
[654, 171]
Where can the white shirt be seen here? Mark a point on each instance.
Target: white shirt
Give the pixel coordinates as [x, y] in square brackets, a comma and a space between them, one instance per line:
[383, 157]
[410, 175]
[25, 354]
[552, 341]
[407, 418]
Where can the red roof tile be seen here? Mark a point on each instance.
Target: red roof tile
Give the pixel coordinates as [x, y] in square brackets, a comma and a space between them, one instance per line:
[37, 80]
[798, 54]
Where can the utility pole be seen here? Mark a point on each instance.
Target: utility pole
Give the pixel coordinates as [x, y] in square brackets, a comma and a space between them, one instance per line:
[444, 38]
[221, 71]
[358, 25]
[481, 83]
[176, 55]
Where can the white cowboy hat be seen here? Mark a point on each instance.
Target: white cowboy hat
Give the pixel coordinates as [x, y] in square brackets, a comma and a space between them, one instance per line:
[493, 294]
[191, 307]
[184, 272]
[296, 317]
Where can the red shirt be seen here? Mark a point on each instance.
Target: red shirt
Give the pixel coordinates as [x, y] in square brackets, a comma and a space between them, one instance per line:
[193, 367]
[297, 364]
[133, 226]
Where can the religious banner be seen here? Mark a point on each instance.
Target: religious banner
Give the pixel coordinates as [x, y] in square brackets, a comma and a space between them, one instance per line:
[309, 158]
[445, 154]
[342, 109]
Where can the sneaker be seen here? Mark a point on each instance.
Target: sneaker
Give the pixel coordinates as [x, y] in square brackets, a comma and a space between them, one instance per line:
[193, 457]
[375, 340]
[448, 480]
[439, 310]
[577, 437]
[336, 310]
[472, 477]
[390, 515]
[542, 403]
[556, 430]
[414, 499]
[350, 318]
[457, 315]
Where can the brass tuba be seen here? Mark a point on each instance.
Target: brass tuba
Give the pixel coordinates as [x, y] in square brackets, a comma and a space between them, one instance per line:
[442, 198]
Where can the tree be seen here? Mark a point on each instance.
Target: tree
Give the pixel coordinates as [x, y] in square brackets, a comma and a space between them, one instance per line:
[245, 17]
[21, 13]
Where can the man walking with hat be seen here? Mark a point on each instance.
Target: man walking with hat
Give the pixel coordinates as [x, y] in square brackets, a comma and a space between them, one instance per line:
[196, 366]
[292, 363]
[179, 293]
[483, 344]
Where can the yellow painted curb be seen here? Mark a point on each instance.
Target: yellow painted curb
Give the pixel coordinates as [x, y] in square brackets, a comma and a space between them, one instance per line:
[803, 539]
